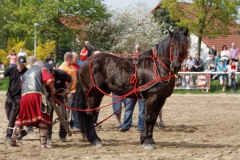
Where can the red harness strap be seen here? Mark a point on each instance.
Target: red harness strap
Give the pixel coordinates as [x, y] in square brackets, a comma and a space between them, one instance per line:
[134, 79]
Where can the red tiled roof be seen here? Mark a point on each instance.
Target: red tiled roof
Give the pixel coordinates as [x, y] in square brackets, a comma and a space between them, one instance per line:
[74, 23]
[219, 41]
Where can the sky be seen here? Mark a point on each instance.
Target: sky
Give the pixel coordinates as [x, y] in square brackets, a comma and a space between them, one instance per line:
[122, 3]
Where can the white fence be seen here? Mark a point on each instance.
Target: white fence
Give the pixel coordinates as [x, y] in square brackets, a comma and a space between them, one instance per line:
[196, 80]
[206, 73]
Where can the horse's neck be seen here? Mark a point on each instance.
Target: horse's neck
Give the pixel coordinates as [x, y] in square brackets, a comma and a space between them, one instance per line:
[164, 56]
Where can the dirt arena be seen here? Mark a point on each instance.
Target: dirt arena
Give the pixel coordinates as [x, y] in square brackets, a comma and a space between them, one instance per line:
[197, 127]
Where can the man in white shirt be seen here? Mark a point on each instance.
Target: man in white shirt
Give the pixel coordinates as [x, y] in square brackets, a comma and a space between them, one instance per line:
[22, 53]
[190, 63]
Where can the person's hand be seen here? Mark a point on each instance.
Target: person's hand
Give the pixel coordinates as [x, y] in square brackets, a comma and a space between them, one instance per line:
[69, 95]
[53, 91]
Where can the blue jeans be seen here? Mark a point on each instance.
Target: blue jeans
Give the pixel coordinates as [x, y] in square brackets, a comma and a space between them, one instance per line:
[12, 65]
[129, 111]
[116, 106]
[73, 104]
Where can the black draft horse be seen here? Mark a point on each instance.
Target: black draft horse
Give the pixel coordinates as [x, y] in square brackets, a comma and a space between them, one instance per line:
[112, 74]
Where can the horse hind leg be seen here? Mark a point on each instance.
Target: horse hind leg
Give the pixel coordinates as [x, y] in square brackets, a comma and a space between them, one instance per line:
[94, 102]
[91, 132]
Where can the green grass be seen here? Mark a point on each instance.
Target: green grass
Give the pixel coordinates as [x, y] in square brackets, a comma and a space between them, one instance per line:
[4, 84]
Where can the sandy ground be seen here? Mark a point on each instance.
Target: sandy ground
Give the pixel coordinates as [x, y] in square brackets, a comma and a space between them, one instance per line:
[197, 127]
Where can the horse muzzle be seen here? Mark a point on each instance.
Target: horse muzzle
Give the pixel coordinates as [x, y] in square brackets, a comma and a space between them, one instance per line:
[175, 67]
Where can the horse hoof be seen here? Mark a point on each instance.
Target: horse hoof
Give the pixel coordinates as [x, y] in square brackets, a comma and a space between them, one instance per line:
[149, 146]
[97, 144]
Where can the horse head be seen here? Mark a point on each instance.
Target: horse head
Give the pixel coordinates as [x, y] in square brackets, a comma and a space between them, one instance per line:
[178, 48]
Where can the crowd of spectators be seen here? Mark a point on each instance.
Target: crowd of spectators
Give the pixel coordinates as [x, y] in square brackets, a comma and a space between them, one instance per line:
[225, 61]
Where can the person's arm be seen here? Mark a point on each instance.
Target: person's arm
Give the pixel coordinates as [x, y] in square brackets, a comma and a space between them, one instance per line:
[200, 63]
[69, 86]
[6, 73]
[238, 54]
[8, 57]
[52, 88]
[68, 79]
[48, 80]
[225, 69]
[222, 54]
[218, 69]
[195, 64]
[209, 63]
[2, 77]
[215, 62]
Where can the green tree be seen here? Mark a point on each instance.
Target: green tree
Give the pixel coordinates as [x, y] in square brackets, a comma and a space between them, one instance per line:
[12, 44]
[43, 50]
[162, 16]
[50, 15]
[204, 17]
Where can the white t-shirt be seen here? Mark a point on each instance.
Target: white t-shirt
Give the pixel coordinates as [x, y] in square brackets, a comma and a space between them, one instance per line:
[22, 54]
[225, 54]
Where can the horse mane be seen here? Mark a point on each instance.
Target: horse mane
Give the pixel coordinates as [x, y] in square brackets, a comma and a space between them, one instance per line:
[163, 47]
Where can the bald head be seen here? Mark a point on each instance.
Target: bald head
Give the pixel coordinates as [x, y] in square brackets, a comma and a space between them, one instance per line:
[31, 60]
[75, 57]
[39, 63]
[86, 43]
[68, 58]
[68, 55]
[74, 54]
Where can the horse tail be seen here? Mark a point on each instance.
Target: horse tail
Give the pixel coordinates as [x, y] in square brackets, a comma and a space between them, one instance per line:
[81, 104]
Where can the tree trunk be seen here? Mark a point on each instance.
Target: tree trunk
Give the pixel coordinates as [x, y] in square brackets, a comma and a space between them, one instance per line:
[56, 52]
[199, 45]
[199, 40]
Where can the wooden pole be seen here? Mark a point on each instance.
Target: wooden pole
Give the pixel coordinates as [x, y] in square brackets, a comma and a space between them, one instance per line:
[61, 118]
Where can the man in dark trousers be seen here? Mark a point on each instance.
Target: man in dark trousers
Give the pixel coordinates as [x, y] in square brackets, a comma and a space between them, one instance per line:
[61, 77]
[14, 95]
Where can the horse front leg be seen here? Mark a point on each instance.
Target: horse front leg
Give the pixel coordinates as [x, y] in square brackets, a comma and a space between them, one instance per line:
[153, 107]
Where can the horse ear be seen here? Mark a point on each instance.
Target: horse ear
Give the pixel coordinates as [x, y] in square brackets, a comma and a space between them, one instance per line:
[186, 32]
[170, 33]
